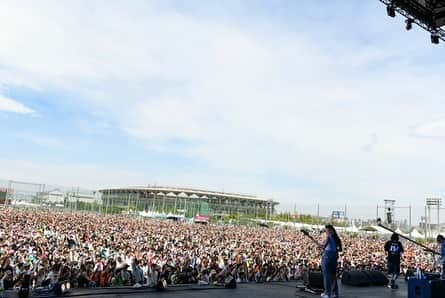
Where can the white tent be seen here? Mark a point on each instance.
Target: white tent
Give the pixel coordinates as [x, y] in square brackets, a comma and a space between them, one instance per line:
[352, 229]
[381, 230]
[416, 234]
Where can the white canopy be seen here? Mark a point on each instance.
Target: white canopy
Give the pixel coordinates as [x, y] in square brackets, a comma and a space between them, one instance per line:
[352, 229]
[400, 232]
[416, 234]
[381, 230]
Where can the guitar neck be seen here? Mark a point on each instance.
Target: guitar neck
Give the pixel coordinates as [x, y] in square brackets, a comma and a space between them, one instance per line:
[312, 238]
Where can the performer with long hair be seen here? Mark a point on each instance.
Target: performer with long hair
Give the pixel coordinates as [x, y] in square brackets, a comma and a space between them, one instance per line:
[331, 247]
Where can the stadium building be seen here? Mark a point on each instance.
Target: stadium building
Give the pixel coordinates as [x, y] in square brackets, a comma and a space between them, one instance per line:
[186, 201]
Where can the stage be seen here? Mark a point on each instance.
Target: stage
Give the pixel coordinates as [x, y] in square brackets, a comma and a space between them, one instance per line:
[253, 290]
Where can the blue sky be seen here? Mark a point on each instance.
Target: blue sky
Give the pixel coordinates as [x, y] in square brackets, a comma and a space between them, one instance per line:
[305, 102]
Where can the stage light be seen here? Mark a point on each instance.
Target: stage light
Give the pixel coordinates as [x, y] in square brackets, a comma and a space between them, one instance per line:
[391, 11]
[434, 38]
[409, 24]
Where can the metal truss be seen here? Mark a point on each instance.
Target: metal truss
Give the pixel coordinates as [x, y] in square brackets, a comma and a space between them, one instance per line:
[424, 23]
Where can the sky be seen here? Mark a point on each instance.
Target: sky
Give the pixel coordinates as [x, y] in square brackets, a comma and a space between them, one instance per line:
[328, 103]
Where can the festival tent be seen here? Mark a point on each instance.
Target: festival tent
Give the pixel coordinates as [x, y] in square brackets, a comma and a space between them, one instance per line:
[416, 234]
[151, 214]
[400, 232]
[352, 229]
[381, 230]
[204, 219]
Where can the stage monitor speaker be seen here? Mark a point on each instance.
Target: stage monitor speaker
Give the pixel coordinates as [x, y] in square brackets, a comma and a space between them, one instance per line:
[23, 293]
[355, 279]
[423, 288]
[161, 285]
[377, 278]
[437, 288]
[314, 281]
[230, 283]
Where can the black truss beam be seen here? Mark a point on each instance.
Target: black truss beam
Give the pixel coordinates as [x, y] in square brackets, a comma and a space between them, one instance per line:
[423, 16]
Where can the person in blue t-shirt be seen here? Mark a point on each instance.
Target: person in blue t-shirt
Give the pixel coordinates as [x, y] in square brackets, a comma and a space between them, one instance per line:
[441, 241]
[331, 248]
[394, 250]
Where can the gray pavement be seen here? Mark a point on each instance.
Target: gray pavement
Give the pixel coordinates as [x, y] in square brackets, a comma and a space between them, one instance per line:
[275, 290]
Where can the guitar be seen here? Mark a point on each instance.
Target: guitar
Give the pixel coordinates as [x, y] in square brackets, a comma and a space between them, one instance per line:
[306, 233]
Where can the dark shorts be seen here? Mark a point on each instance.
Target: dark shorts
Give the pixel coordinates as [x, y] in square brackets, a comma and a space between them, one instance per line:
[393, 267]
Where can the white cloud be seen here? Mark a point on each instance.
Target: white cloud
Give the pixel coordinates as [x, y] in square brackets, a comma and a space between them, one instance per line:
[13, 106]
[41, 140]
[243, 102]
[431, 129]
[69, 174]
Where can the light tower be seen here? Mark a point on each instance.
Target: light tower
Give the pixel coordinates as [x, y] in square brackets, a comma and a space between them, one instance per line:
[432, 202]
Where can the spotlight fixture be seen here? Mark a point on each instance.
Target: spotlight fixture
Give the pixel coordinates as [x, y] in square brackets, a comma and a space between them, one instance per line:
[409, 24]
[390, 10]
[434, 38]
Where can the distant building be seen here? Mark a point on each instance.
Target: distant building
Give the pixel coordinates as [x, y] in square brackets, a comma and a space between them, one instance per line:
[81, 197]
[187, 200]
[4, 196]
[53, 197]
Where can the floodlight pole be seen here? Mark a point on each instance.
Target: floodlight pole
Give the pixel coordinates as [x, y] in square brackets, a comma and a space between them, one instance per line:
[431, 202]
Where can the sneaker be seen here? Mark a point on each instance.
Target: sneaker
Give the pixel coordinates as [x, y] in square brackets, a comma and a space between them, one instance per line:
[324, 295]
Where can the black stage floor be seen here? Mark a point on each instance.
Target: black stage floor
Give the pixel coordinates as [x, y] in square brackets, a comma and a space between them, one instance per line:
[253, 290]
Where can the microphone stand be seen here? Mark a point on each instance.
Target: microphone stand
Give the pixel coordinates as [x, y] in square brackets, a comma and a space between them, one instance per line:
[409, 239]
[426, 248]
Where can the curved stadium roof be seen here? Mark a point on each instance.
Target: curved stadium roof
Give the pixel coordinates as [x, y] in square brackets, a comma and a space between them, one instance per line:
[188, 192]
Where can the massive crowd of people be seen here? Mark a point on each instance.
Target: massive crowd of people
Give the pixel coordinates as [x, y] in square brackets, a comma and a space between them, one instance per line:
[92, 250]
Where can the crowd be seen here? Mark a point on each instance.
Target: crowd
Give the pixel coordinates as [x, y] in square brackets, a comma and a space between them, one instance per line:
[43, 248]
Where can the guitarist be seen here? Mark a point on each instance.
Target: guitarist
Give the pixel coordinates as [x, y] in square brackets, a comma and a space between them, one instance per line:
[331, 247]
[441, 241]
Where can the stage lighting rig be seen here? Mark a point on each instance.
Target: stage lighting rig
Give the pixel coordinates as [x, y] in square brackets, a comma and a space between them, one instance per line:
[434, 38]
[427, 14]
[390, 10]
[409, 24]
